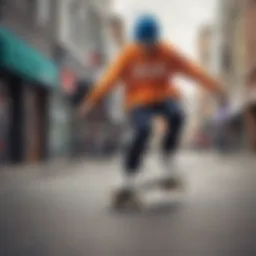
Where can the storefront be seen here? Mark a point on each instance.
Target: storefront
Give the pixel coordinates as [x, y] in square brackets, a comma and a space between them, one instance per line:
[61, 115]
[26, 79]
[4, 122]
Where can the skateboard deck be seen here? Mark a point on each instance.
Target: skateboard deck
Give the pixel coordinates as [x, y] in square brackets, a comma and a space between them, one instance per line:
[155, 184]
[158, 183]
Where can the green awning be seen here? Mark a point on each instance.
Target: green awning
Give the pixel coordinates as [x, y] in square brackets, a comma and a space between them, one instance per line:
[17, 56]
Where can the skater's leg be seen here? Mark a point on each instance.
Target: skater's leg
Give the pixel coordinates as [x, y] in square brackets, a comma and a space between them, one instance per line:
[141, 120]
[141, 124]
[174, 116]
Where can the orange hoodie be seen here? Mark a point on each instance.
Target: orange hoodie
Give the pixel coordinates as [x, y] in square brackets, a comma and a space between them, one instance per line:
[147, 77]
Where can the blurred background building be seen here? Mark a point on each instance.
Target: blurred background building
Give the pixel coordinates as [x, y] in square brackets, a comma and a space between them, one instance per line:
[250, 41]
[51, 54]
[28, 77]
[205, 106]
[222, 49]
[232, 65]
[80, 53]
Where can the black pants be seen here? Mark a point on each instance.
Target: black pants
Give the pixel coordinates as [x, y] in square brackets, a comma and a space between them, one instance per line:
[141, 119]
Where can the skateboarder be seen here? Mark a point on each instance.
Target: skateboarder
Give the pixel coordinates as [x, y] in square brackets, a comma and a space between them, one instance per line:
[147, 67]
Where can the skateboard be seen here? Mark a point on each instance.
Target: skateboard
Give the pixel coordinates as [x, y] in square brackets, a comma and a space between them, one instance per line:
[124, 199]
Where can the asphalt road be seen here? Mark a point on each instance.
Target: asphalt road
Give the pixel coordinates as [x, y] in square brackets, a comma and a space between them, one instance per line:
[65, 212]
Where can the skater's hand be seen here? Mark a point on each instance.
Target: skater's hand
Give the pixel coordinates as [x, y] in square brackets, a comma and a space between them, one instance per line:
[83, 110]
[222, 98]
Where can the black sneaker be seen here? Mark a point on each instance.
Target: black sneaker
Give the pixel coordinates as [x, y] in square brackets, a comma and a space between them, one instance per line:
[125, 198]
[172, 183]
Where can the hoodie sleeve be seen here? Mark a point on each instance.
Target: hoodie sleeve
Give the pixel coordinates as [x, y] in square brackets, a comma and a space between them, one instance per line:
[192, 70]
[110, 78]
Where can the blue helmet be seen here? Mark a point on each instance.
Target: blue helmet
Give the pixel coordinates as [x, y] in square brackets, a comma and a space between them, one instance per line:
[147, 29]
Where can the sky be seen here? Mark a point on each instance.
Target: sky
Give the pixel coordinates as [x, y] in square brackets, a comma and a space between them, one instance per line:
[181, 20]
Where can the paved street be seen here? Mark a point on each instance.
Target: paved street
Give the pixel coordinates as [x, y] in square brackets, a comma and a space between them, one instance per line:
[64, 211]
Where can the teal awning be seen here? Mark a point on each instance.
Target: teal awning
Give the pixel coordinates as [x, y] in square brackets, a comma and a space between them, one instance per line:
[19, 57]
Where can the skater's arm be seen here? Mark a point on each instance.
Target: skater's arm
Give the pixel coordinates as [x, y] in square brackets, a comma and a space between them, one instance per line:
[194, 71]
[109, 79]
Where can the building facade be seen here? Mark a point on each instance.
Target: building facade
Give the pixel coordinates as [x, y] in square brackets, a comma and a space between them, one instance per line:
[58, 45]
[233, 64]
[81, 53]
[27, 78]
[205, 104]
[205, 42]
[250, 35]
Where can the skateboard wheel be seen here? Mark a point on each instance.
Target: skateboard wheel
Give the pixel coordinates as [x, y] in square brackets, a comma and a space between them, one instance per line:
[172, 184]
[126, 199]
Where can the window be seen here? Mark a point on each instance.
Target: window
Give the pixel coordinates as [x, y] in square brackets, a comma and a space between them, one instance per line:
[43, 12]
[77, 22]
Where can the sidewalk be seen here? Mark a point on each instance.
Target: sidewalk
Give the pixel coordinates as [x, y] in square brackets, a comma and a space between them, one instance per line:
[52, 163]
[21, 173]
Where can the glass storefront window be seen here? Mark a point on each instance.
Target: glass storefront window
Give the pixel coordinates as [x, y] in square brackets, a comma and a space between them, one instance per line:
[59, 120]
